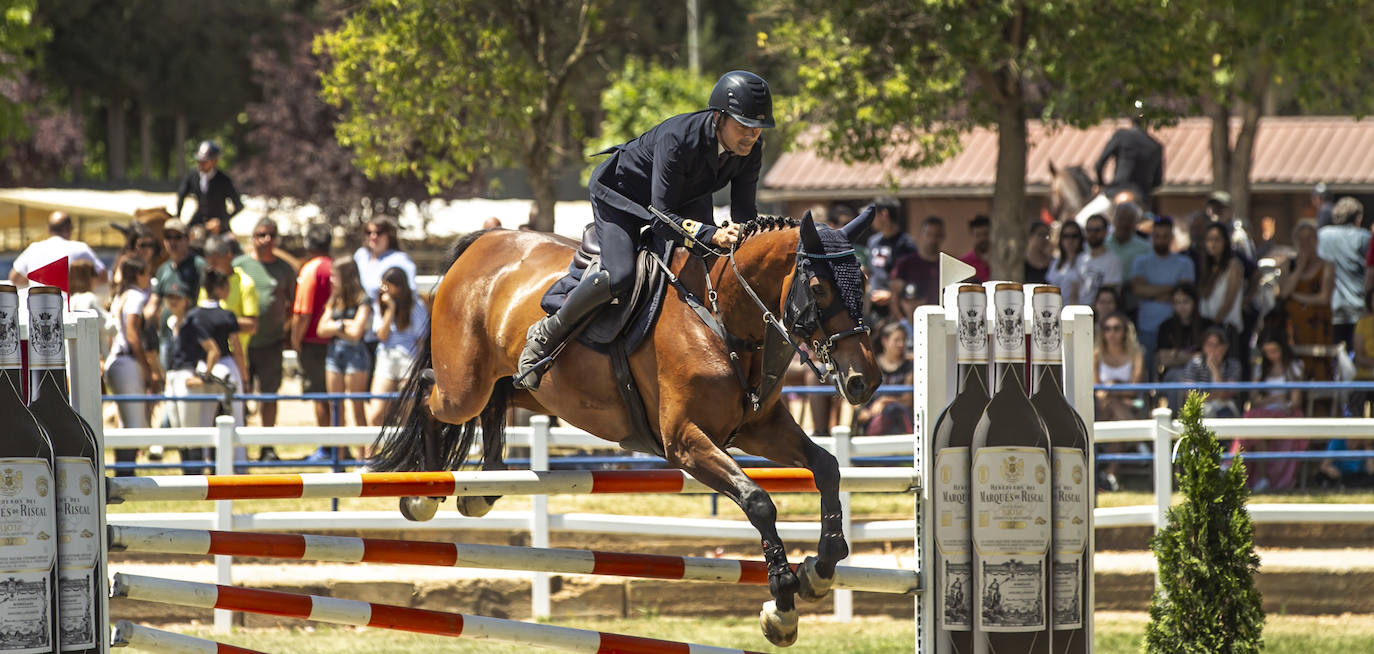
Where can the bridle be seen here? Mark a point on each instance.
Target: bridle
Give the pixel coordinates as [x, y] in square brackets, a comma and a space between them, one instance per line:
[802, 316]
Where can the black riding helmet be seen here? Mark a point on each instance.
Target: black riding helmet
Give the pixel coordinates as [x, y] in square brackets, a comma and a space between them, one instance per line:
[745, 96]
[207, 150]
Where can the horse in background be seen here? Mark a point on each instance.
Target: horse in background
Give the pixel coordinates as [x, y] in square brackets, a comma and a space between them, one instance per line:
[1071, 189]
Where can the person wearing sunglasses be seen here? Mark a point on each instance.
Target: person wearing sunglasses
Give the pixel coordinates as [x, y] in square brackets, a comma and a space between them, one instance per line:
[380, 252]
[275, 281]
[182, 267]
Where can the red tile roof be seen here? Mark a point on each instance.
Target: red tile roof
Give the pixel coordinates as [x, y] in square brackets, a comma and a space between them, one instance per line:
[1291, 153]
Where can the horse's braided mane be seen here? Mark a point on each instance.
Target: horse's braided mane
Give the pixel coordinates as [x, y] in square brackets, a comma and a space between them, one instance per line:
[765, 223]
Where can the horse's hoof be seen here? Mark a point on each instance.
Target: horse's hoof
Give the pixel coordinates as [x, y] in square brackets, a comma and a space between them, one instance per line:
[419, 509]
[813, 586]
[474, 506]
[779, 627]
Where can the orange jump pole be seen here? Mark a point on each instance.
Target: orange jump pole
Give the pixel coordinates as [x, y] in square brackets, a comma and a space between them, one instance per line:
[347, 549]
[368, 614]
[463, 483]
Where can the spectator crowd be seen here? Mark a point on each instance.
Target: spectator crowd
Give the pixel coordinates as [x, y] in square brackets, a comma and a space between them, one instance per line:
[1194, 300]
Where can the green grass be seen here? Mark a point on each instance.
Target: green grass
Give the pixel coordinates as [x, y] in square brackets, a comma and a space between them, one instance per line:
[1117, 633]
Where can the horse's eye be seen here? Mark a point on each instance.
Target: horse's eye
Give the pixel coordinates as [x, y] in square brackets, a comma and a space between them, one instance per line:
[819, 289]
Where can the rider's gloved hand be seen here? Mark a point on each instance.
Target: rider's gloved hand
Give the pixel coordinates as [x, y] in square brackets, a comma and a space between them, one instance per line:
[725, 236]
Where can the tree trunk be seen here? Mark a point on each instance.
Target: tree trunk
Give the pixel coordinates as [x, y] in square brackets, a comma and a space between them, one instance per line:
[1009, 225]
[545, 196]
[145, 140]
[116, 139]
[179, 143]
[1241, 160]
[1221, 144]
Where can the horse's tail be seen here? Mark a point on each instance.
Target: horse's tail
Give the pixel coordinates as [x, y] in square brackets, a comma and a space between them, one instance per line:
[411, 438]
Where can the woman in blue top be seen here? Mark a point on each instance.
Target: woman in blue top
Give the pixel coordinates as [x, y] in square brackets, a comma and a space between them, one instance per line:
[400, 323]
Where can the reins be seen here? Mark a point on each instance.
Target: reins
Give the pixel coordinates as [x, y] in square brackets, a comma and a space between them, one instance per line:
[775, 329]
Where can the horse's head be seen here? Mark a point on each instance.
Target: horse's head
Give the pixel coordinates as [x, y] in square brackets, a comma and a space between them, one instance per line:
[1070, 189]
[824, 306]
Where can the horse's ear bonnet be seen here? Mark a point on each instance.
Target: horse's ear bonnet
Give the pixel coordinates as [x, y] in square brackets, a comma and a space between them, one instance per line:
[834, 261]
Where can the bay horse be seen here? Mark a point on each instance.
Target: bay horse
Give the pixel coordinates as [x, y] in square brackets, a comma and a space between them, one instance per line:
[696, 400]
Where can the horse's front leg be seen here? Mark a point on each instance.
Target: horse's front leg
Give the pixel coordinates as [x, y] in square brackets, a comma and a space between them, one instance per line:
[692, 451]
[778, 438]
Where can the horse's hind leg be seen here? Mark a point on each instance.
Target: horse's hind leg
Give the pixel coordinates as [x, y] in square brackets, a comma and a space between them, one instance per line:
[778, 438]
[493, 423]
[693, 452]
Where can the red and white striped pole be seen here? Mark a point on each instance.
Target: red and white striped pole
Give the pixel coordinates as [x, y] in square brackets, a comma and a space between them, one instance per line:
[346, 549]
[368, 614]
[511, 482]
[128, 634]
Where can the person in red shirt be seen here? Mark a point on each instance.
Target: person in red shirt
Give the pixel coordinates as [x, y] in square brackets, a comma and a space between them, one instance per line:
[980, 228]
[312, 295]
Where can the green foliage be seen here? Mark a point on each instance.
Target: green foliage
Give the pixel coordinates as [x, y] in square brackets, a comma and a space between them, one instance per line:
[908, 77]
[896, 81]
[641, 95]
[20, 36]
[437, 89]
[1206, 600]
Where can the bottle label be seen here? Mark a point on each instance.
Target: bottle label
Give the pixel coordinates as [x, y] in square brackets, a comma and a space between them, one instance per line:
[1047, 335]
[28, 551]
[46, 347]
[76, 602]
[972, 328]
[78, 550]
[10, 356]
[1009, 328]
[952, 538]
[1068, 591]
[1070, 535]
[1011, 533]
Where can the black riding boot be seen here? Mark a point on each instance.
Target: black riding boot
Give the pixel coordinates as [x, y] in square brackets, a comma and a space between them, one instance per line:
[546, 335]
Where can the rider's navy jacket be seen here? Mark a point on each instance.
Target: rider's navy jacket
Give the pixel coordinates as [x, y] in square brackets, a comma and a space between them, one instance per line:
[675, 167]
[1139, 162]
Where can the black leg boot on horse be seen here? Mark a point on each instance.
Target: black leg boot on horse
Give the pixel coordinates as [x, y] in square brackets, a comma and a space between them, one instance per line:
[545, 337]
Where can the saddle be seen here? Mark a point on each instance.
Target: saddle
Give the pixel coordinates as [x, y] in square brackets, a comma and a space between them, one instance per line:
[621, 327]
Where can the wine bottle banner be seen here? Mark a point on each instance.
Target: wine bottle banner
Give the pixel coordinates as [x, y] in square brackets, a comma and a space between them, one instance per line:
[29, 530]
[79, 534]
[972, 328]
[1009, 328]
[10, 356]
[1047, 336]
[46, 348]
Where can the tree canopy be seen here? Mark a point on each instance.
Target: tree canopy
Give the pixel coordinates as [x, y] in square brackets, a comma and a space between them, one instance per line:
[436, 89]
[879, 77]
[20, 36]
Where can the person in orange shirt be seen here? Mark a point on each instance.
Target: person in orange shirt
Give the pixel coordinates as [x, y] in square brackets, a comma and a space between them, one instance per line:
[312, 295]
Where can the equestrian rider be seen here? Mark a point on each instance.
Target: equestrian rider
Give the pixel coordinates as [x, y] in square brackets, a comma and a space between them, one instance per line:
[1139, 160]
[212, 189]
[674, 167]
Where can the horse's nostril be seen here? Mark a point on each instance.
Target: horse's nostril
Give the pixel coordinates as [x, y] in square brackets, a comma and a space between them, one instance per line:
[855, 385]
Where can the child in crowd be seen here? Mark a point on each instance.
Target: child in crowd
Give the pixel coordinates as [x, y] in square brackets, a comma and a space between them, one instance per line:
[190, 346]
[349, 314]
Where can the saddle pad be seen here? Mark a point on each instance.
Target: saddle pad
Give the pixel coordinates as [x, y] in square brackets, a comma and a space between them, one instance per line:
[632, 319]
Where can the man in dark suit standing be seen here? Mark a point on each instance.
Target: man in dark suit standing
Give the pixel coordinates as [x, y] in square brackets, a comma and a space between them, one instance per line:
[213, 191]
[674, 167]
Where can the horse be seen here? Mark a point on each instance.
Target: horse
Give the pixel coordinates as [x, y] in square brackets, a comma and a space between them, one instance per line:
[1070, 190]
[699, 393]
